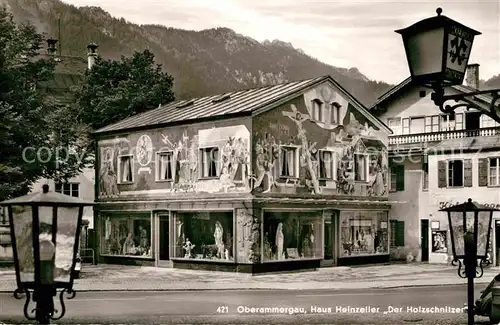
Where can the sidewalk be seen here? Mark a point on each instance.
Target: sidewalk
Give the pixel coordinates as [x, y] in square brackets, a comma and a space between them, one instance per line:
[134, 278]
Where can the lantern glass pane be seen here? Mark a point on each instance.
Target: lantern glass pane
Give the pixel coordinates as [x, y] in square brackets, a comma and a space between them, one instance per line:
[67, 221]
[23, 229]
[425, 52]
[482, 232]
[469, 221]
[458, 52]
[457, 224]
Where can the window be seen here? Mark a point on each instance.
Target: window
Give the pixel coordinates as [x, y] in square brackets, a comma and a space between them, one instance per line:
[209, 162]
[425, 176]
[406, 126]
[326, 164]
[455, 173]
[204, 235]
[422, 93]
[397, 178]
[397, 233]
[317, 110]
[127, 234]
[452, 122]
[289, 162]
[493, 172]
[395, 125]
[432, 123]
[125, 169]
[363, 233]
[487, 122]
[289, 236]
[165, 165]
[417, 125]
[71, 189]
[361, 167]
[335, 113]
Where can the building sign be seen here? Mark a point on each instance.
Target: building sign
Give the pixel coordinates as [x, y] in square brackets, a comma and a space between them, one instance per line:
[447, 204]
[439, 242]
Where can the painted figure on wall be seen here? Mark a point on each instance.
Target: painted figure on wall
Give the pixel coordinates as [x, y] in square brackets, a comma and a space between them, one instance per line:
[306, 147]
[267, 154]
[185, 161]
[108, 175]
[235, 163]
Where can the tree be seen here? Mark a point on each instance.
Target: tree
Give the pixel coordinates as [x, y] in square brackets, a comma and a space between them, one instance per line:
[28, 148]
[115, 90]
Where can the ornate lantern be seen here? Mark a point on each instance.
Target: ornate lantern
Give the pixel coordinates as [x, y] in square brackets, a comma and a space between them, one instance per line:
[45, 230]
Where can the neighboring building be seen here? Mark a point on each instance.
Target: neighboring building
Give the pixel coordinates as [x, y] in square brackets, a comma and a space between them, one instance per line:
[437, 160]
[275, 178]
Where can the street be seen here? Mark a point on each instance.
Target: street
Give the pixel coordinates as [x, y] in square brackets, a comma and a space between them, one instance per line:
[230, 307]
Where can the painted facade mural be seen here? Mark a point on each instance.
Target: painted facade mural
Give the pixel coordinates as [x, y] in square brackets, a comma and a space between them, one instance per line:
[177, 160]
[319, 144]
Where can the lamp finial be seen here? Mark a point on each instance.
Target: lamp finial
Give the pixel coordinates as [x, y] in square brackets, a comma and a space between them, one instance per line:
[45, 188]
[469, 200]
[439, 11]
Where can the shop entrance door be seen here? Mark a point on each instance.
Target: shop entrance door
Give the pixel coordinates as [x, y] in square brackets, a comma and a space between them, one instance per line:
[424, 230]
[329, 240]
[164, 238]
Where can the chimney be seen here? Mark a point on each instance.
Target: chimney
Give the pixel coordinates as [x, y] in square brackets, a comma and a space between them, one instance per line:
[91, 54]
[51, 46]
[472, 76]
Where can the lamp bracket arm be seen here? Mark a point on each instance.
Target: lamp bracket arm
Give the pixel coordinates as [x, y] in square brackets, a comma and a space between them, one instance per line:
[493, 111]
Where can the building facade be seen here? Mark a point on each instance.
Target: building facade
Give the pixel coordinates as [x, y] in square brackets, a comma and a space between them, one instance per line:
[437, 160]
[276, 178]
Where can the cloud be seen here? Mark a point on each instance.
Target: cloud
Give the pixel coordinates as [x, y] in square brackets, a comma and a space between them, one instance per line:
[339, 32]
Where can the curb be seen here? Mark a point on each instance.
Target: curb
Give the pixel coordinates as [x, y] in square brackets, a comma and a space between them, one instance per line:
[263, 289]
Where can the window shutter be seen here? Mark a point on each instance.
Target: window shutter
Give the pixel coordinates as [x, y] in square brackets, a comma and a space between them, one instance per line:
[400, 233]
[483, 171]
[468, 173]
[442, 173]
[400, 178]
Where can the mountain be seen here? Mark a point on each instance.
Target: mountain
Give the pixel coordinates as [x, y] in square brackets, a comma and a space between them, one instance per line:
[203, 62]
[492, 83]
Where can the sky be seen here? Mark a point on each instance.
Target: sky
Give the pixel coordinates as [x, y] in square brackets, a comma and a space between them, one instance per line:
[342, 33]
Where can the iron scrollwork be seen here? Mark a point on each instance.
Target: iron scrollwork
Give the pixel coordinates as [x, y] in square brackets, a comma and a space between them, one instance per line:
[440, 99]
[461, 267]
[54, 314]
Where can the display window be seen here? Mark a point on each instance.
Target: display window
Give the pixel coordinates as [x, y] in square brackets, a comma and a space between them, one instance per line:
[204, 235]
[127, 235]
[292, 235]
[363, 233]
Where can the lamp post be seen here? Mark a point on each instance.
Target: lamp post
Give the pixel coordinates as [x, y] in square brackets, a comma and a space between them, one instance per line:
[470, 225]
[45, 231]
[438, 50]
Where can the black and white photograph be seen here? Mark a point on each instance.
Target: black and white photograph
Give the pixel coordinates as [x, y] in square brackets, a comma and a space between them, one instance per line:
[250, 162]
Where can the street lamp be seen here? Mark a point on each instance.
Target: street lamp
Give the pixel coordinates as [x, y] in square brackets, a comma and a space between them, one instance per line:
[438, 50]
[470, 225]
[45, 231]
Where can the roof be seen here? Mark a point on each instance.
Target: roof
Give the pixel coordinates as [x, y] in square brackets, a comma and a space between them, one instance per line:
[237, 102]
[408, 82]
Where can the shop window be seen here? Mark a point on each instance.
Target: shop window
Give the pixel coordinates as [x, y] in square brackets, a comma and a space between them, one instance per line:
[71, 189]
[361, 167]
[290, 236]
[397, 233]
[289, 161]
[165, 165]
[125, 169]
[204, 235]
[326, 165]
[363, 233]
[209, 162]
[127, 235]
